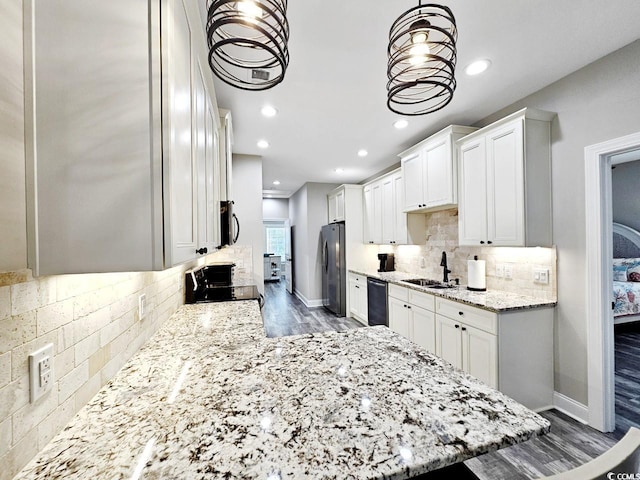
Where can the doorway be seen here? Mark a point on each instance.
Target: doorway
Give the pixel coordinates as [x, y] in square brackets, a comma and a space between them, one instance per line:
[599, 159]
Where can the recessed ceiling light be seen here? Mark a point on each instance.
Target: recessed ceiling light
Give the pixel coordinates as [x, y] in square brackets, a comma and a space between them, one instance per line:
[339, 170]
[400, 124]
[263, 144]
[362, 153]
[477, 67]
[269, 111]
[276, 182]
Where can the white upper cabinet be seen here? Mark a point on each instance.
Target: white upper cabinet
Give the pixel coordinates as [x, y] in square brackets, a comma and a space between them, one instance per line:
[121, 146]
[336, 206]
[226, 143]
[429, 170]
[385, 222]
[505, 182]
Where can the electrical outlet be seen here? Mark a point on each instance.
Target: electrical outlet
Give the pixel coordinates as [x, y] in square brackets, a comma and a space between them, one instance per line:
[41, 376]
[541, 275]
[499, 270]
[142, 306]
[508, 271]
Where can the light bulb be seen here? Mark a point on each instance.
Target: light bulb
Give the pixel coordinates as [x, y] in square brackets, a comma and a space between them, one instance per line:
[250, 9]
[418, 53]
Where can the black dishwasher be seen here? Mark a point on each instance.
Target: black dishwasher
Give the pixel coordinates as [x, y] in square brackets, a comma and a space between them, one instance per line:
[377, 302]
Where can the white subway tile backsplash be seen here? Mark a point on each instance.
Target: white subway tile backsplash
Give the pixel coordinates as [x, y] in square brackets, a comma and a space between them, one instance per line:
[20, 354]
[55, 422]
[17, 330]
[5, 369]
[5, 436]
[73, 380]
[85, 348]
[5, 302]
[64, 362]
[13, 396]
[29, 416]
[54, 316]
[85, 326]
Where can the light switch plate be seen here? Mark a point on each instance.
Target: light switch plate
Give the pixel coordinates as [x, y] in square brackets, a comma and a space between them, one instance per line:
[508, 271]
[41, 376]
[499, 270]
[541, 275]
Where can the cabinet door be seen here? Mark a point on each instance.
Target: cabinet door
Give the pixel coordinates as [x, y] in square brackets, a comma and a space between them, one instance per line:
[439, 180]
[354, 299]
[400, 224]
[182, 170]
[376, 195]
[412, 173]
[449, 340]
[333, 208]
[363, 305]
[505, 184]
[369, 212]
[472, 218]
[424, 328]
[213, 184]
[480, 355]
[399, 317]
[388, 219]
[340, 206]
[204, 163]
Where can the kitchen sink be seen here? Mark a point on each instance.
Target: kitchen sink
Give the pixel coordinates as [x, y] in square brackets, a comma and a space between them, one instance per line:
[425, 282]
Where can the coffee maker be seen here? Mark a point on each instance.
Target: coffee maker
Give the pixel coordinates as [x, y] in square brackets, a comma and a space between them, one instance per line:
[386, 262]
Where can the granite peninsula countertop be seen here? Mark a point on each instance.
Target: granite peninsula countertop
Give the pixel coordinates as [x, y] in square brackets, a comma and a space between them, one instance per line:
[492, 300]
[209, 396]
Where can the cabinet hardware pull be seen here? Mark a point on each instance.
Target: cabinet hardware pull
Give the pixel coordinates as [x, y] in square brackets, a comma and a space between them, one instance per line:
[481, 242]
[489, 242]
[201, 251]
[457, 326]
[464, 329]
[460, 313]
[409, 306]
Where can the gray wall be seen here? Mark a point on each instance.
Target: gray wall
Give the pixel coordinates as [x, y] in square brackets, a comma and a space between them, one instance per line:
[626, 194]
[597, 103]
[247, 181]
[308, 212]
[275, 208]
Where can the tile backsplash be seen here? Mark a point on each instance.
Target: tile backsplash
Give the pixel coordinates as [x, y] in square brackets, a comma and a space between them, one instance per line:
[92, 321]
[442, 235]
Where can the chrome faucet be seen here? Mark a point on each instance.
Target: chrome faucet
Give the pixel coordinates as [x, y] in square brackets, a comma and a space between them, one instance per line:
[446, 271]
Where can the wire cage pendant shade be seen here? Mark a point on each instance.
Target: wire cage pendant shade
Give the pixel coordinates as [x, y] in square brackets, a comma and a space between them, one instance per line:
[421, 60]
[248, 42]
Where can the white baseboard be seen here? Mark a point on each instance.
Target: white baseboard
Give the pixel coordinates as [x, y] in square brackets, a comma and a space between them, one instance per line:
[570, 407]
[308, 303]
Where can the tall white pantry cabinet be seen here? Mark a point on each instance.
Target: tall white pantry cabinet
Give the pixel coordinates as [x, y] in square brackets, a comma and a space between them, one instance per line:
[123, 154]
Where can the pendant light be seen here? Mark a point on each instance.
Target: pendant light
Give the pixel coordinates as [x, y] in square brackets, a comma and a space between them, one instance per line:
[248, 42]
[421, 60]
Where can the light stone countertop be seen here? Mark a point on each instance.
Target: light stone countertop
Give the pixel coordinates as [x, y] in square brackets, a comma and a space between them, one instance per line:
[491, 300]
[210, 397]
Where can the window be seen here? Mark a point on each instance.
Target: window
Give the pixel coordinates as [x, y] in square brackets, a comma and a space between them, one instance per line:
[274, 239]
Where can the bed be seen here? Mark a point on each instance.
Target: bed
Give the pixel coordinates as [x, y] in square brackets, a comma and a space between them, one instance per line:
[626, 274]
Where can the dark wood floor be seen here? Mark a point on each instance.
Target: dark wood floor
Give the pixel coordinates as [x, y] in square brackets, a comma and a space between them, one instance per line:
[284, 314]
[627, 360]
[570, 443]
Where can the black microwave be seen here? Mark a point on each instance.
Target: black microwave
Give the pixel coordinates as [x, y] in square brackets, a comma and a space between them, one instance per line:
[229, 224]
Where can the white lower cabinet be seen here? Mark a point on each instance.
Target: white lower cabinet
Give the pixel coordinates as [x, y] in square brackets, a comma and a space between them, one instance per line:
[511, 351]
[411, 315]
[358, 307]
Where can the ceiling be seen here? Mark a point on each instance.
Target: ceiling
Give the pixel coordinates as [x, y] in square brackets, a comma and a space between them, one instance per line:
[332, 101]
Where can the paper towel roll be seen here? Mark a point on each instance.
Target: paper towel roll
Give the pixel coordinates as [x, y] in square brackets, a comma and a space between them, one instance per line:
[476, 273]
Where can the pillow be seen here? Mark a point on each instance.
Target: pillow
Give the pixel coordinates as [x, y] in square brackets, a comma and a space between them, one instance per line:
[633, 273]
[620, 273]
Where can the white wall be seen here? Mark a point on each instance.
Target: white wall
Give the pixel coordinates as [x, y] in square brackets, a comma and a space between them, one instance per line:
[594, 104]
[247, 181]
[626, 194]
[275, 208]
[308, 211]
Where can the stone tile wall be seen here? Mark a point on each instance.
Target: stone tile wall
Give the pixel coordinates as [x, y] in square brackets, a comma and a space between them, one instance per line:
[93, 323]
[442, 235]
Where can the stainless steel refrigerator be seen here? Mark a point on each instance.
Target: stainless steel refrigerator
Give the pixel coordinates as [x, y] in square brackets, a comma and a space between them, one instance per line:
[334, 274]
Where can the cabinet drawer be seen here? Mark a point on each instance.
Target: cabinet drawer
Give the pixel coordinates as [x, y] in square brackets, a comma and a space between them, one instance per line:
[401, 293]
[357, 278]
[423, 300]
[474, 317]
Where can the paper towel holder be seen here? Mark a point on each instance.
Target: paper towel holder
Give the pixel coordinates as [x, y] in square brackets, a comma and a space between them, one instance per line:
[481, 285]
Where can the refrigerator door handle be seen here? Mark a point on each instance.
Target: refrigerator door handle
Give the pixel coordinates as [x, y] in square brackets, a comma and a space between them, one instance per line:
[325, 255]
